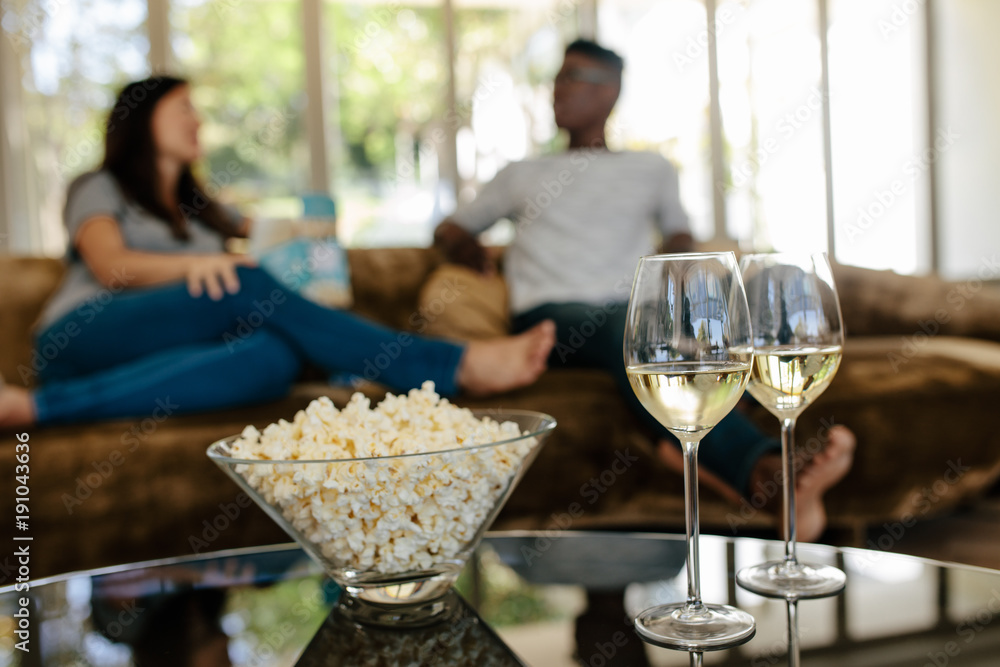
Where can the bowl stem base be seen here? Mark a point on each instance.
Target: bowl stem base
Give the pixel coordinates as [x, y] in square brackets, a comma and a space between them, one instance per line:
[417, 615]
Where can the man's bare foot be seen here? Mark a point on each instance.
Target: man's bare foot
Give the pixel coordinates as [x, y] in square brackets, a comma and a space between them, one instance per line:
[501, 364]
[827, 467]
[813, 478]
[16, 407]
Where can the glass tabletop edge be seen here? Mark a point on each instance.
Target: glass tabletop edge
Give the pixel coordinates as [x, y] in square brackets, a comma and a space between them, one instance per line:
[158, 562]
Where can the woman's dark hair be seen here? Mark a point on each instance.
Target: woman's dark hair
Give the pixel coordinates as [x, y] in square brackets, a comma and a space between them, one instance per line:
[130, 156]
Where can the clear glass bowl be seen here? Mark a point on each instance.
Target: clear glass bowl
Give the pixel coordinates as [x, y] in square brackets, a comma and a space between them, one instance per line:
[395, 531]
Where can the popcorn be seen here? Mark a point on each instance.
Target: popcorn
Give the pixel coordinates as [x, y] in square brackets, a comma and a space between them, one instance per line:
[366, 512]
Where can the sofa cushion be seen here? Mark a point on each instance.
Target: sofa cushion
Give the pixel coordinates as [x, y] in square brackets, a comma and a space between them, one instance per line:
[386, 282]
[27, 284]
[876, 303]
[462, 304]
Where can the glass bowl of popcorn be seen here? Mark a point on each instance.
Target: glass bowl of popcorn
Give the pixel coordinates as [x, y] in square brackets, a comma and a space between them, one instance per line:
[391, 501]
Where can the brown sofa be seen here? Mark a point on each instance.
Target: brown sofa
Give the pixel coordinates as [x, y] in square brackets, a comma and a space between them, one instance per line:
[919, 383]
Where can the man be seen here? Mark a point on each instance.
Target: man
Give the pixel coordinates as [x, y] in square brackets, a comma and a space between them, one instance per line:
[582, 220]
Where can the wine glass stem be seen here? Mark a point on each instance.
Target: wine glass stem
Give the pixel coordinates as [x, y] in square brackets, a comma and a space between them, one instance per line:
[788, 488]
[793, 633]
[691, 521]
[696, 658]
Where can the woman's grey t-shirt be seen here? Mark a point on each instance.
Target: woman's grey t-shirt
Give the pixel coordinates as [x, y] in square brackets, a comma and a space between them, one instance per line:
[100, 194]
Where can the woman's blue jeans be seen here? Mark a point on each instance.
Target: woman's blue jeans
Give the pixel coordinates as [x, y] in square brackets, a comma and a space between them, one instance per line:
[591, 336]
[143, 349]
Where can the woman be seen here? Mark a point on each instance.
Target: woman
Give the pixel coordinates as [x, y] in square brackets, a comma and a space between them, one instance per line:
[151, 303]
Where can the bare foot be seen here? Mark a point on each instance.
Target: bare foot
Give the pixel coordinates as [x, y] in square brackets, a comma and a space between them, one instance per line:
[16, 407]
[501, 364]
[813, 478]
[826, 468]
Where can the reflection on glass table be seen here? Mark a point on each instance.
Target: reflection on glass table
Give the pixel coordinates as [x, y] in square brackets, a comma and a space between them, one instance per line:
[463, 640]
[553, 599]
[688, 351]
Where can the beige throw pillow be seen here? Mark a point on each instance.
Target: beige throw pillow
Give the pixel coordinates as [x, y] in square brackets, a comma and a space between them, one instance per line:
[458, 303]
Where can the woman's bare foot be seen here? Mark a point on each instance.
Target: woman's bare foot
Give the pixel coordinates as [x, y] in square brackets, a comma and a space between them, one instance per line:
[501, 364]
[16, 407]
[813, 478]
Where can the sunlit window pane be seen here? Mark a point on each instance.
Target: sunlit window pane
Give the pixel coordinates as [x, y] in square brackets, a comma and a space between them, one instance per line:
[877, 100]
[390, 69]
[246, 64]
[664, 101]
[769, 79]
[74, 55]
[966, 146]
[393, 180]
[508, 52]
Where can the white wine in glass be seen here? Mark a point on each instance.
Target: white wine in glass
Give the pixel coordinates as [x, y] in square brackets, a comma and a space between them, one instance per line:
[688, 356]
[694, 396]
[798, 339]
[788, 378]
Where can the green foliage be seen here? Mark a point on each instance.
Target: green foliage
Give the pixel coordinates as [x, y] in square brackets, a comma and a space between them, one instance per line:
[386, 69]
[247, 66]
[390, 64]
[74, 58]
[282, 617]
[505, 598]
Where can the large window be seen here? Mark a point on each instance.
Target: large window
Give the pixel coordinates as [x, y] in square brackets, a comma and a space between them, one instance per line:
[405, 155]
[771, 101]
[422, 101]
[879, 172]
[247, 70]
[72, 56]
[390, 67]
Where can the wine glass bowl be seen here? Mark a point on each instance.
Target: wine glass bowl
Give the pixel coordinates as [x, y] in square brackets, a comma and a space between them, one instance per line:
[798, 342]
[688, 353]
[797, 328]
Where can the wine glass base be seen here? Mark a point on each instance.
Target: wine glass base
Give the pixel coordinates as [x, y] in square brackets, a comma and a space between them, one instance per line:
[712, 628]
[798, 581]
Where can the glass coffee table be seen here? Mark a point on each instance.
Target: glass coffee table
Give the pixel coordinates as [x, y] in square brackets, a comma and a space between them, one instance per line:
[530, 598]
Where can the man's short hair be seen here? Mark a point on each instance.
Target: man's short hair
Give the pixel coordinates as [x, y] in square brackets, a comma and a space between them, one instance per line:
[597, 52]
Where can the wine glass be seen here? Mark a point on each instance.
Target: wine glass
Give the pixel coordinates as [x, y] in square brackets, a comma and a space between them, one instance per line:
[798, 339]
[794, 652]
[688, 354]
